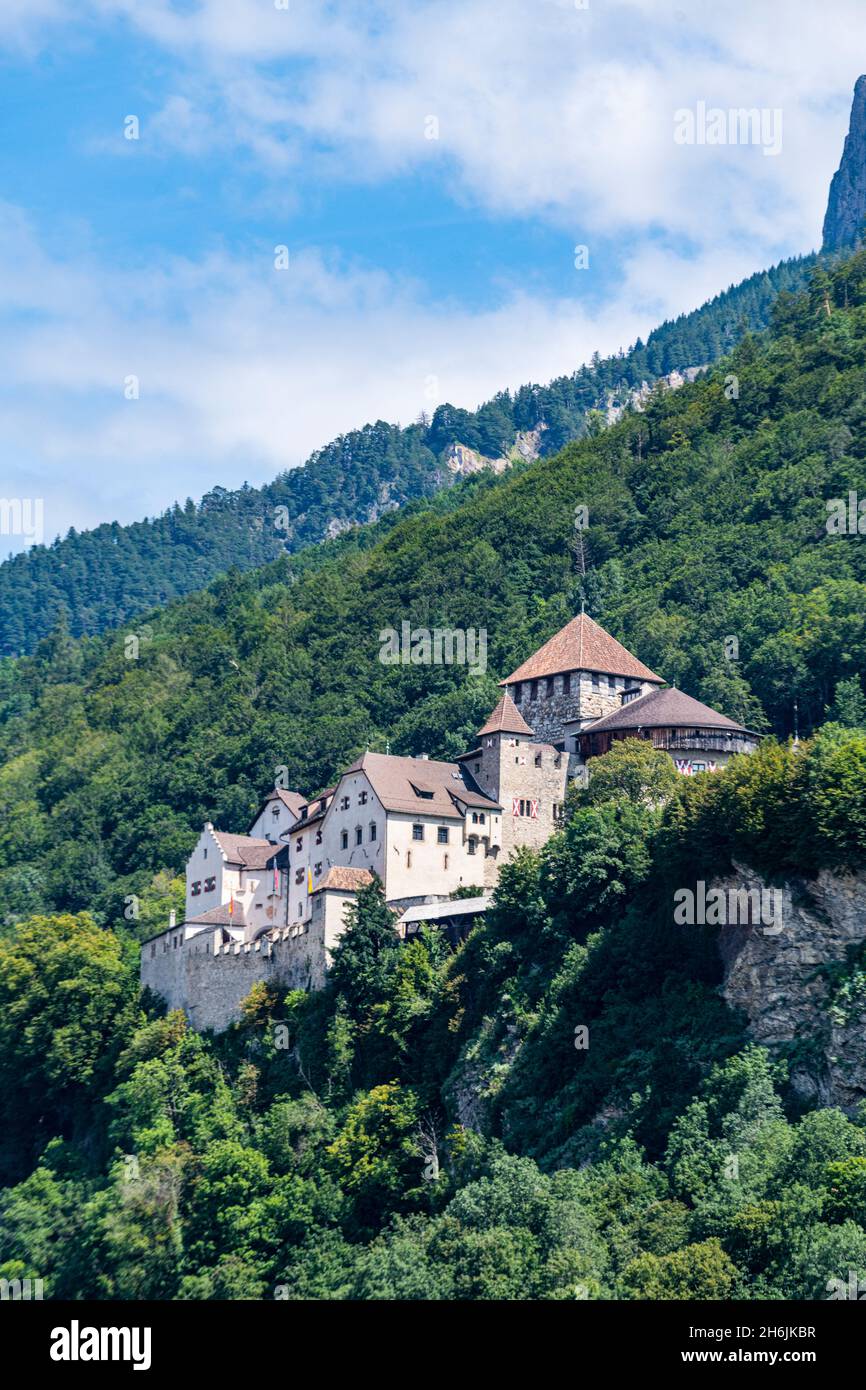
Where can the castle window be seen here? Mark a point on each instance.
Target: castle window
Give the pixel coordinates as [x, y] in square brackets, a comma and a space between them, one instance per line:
[362, 798]
[538, 760]
[359, 834]
[300, 909]
[533, 691]
[471, 845]
[417, 832]
[442, 835]
[275, 809]
[559, 810]
[299, 844]
[344, 803]
[319, 836]
[318, 871]
[344, 839]
[196, 888]
[372, 830]
[209, 885]
[299, 875]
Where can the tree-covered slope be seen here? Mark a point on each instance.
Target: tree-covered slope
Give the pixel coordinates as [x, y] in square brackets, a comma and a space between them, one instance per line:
[102, 578]
[707, 522]
[565, 1107]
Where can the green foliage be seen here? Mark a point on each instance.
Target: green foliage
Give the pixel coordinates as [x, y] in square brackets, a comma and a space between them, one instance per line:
[563, 1106]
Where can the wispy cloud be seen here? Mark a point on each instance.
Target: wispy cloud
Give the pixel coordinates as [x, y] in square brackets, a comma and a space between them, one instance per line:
[242, 369]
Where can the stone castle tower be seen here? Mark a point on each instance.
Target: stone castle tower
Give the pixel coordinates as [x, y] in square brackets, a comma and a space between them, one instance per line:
[576, 677]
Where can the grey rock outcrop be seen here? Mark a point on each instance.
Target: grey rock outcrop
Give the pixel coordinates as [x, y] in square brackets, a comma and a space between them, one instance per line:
[782, 983]
[846, 206]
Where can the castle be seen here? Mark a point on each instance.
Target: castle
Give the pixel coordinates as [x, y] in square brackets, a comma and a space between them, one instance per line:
[270, 905]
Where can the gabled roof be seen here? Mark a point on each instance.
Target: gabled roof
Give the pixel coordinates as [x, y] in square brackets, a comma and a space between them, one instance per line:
[245, 850]
[293, 800]
[219, 917]
[344, 879]
[394, 781]
[506, 719]
[664, 708]
[582, 646]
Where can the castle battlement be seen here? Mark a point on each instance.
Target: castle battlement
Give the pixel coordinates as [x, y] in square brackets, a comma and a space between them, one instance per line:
[271, 905]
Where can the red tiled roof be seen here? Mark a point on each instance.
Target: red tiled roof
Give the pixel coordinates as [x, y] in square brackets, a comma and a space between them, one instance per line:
[505, 719]
[664, 709]
[293, 800]
[394, 780]
[245, 850]
[582, 646]
[344, 879]
[219, 917]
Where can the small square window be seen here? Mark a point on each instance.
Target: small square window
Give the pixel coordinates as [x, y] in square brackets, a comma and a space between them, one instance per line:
[417, 832]
[442, 835]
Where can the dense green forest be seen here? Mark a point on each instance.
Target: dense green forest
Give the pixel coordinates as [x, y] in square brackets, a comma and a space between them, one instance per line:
[427, 1127]
[102, 578]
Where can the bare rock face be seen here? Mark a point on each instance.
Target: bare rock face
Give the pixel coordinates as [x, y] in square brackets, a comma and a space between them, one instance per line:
[846, 206]
[781, 980]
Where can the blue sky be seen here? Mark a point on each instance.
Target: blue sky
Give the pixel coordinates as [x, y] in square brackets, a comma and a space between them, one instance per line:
[420, 269]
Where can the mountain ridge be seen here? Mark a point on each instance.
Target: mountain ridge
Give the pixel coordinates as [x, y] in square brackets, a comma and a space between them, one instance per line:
[112, 574]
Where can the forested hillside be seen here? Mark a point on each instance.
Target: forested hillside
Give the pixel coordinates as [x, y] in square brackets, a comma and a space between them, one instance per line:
[707, 521]
[101, 578]
[431, 1125]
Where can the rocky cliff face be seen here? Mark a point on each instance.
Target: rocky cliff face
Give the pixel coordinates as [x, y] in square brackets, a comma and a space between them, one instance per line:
[846, 207]
[803, 988]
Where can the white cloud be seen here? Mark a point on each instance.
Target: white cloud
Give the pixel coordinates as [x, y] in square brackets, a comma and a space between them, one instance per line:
[545, 109]
[244, 369]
